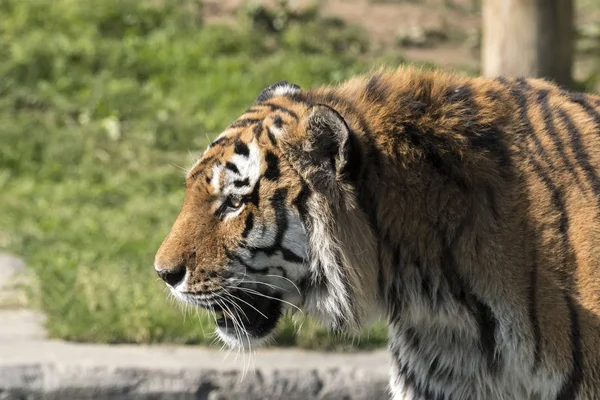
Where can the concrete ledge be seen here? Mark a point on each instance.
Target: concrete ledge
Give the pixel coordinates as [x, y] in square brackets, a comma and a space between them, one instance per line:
[57, 370]
[32, 367]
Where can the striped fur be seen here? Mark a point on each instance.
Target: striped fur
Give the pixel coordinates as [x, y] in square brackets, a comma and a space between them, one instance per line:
[464, 210]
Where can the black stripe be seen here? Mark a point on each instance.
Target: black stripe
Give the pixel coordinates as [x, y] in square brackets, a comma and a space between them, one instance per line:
[488, 326]
[232, 167]
[249, 267]
[241, 148]
[284, 274]
[276, 107]
[258, 129]
[445, 164]
[491, 138]
[480, 136]
[426, 286]
[491, 199]
[244, 122]
[523, 83]
[241, 183]
[581, 155]
[299, 97]
[271, 137]
[220, 211]
[572, 384]
[395, 289]
[251, 110]
[421, 391]
[353, 167]
[427, 290]
[441, 372]
[502, 80]
[203, 162]
[195, 174]
[254, 197]
[287, 254]
[455, 285]
[269, 92]
[520, 98]
[281, 223]
[249, 224]
[278, 204]
[542, 99]
[537, 333]
[493, 94]
[301, 199]
[461, 94]
[531, 132]
[224, 140]
[482, 312]
[375, 91]
[290, 256]
[412, 339]
[272, 172]
[582, 100]
[277, 121]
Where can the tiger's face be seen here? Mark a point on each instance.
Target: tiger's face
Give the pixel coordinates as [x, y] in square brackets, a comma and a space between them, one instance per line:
[239, 245]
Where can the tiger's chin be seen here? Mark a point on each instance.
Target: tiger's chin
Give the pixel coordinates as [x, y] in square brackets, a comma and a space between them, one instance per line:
[248, 320]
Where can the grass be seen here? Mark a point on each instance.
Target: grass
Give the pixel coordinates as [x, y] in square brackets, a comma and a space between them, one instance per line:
[101, 103]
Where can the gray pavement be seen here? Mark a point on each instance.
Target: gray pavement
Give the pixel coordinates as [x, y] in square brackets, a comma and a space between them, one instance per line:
[34, 367]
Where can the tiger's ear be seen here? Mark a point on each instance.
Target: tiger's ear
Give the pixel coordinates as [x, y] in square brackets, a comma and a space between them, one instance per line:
[330, 147]
[277, 89]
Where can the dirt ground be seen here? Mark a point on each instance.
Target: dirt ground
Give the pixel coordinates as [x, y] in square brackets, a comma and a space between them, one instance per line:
[386, 21]
[443, 32]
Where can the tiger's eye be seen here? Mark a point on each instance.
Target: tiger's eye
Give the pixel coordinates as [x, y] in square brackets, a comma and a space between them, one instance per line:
[235, 202]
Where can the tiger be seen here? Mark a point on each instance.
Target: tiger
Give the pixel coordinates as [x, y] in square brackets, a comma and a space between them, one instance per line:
[464, 211]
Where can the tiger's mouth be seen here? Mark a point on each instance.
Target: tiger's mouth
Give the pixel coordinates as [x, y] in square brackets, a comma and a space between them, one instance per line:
[252, 314]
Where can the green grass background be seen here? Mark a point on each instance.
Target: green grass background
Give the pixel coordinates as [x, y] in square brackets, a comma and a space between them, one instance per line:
[101, 103]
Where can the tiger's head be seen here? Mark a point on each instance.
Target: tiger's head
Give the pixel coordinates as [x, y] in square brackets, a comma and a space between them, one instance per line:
[259, 230]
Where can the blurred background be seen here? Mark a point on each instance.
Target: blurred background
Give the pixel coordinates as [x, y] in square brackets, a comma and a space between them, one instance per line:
[104, 103]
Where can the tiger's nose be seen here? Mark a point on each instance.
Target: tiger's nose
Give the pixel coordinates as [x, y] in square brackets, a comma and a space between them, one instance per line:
[172, 276]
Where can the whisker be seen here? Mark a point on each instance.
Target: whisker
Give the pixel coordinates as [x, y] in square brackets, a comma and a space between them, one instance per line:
[239, 331]
[237, 306]
[191, 156]
[248, 304]
[252, 291]
[270, 285]
[180, 167]
[287, 279]
[200, 320]
[235, 328]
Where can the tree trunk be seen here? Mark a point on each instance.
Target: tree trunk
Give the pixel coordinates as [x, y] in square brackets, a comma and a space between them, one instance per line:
[528, 38]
